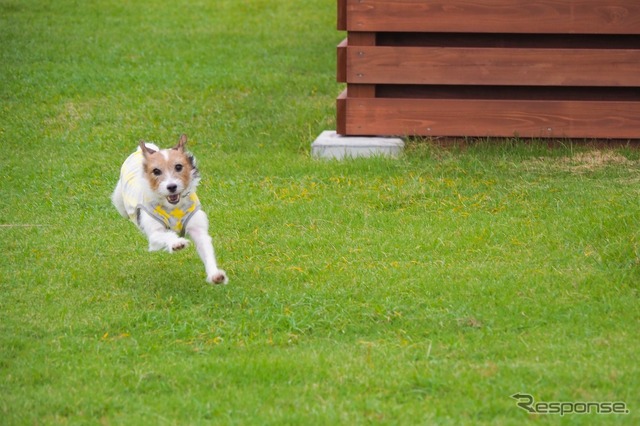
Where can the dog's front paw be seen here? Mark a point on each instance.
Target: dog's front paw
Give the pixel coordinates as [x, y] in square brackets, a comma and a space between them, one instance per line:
[179, 244]
[218, 277]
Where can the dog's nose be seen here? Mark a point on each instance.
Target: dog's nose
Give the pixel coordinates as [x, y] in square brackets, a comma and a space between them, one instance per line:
[172, 188]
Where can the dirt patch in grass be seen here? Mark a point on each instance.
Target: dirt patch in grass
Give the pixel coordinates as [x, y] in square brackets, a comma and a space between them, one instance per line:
[583, 162]
[594, 160]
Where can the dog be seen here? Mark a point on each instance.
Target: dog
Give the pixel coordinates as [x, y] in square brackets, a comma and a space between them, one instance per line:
[157, 192]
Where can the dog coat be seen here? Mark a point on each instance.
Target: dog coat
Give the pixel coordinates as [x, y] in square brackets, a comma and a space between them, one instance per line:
[135, 200]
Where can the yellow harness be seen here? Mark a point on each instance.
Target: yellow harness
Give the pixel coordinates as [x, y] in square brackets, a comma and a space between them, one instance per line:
[175, 219]
[135, 201]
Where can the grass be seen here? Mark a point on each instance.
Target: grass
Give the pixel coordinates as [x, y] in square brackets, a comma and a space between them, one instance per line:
[424, 290]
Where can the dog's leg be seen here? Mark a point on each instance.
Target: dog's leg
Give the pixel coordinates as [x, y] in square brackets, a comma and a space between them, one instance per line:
[160, 238]
[198, 230]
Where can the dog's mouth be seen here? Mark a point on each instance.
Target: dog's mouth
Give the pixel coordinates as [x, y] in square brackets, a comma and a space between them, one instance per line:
[173, 198]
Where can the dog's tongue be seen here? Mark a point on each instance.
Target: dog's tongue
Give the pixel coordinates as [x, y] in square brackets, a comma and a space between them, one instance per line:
[174, 198]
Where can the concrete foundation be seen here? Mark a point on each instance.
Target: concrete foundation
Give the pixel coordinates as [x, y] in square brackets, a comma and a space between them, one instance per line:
[332, 145]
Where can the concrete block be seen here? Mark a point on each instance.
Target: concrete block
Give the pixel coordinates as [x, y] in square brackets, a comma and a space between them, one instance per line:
[332, 145]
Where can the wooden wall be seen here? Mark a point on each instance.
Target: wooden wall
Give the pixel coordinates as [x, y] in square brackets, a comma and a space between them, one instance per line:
[552, 68]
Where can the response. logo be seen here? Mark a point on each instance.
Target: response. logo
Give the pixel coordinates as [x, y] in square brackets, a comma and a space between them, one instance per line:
[527, 403]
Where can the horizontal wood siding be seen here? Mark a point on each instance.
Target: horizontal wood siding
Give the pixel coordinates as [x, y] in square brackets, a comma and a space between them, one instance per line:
[550, 68]
[531, 119]
[492, 66]
[495, 16]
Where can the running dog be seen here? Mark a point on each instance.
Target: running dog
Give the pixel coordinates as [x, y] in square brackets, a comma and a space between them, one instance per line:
[157, 192]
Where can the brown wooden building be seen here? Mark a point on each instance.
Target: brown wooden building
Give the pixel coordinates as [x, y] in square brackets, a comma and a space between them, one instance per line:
[528, 68]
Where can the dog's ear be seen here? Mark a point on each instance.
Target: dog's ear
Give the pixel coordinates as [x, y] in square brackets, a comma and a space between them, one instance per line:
[181, 143]
[146, 151]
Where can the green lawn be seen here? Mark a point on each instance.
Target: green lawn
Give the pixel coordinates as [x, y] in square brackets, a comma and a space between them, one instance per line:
[423, 290]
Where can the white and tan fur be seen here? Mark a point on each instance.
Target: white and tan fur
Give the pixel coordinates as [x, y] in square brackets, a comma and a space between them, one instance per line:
[167, 176]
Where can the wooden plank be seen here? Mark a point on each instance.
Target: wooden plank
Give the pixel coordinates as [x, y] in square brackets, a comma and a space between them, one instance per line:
[341, 63]
[493, 66]
[497, 118]
[342, 15]
[495, 16]
[361, 90]
[341, 113]
[361, 39]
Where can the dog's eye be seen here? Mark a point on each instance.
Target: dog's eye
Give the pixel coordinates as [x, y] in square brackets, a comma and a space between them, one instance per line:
[178, 167]
[156, 172]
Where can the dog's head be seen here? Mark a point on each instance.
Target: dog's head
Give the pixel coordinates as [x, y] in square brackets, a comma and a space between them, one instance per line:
[171, 173]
